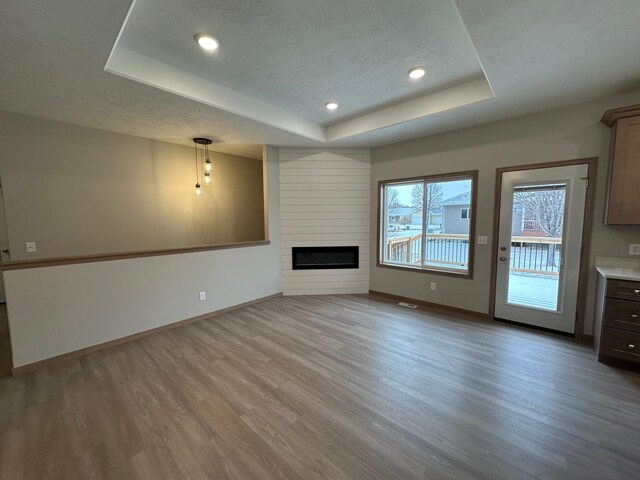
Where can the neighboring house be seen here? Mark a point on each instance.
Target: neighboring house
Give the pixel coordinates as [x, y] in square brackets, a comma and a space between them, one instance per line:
[411, 216]
[416, 217]
[434, 222]
[456, 213]
[405, 216]
[524, 223]
[517, 219]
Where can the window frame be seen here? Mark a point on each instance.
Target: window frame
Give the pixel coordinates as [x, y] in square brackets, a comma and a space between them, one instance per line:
[463, 209]
[456, 176]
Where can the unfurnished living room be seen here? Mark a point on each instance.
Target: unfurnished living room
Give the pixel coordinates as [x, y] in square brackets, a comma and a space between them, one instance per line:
[341, 240]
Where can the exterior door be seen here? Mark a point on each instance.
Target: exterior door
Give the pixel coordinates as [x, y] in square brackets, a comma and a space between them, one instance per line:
[539, 246]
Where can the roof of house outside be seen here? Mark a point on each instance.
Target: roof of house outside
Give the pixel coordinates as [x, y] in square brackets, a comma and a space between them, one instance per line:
[463, 199]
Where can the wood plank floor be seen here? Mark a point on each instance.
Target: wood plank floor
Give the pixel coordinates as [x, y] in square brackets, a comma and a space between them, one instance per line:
[331, 387]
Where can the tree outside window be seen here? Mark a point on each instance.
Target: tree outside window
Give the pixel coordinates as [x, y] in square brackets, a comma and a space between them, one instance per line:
[427, 223]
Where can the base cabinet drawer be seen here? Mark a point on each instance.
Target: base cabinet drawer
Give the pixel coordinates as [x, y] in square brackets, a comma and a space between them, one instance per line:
[622, 314]
[623, 290]
[620, 344]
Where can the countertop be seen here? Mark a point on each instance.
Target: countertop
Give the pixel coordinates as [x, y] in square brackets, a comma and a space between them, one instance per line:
[620, 273]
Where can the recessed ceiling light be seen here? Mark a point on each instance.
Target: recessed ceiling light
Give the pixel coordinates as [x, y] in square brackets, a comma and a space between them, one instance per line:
[331, 105]
[417, 72]
[207, 41]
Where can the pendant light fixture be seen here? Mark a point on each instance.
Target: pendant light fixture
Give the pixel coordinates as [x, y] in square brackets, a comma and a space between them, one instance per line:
[205, 142]
[208, 166]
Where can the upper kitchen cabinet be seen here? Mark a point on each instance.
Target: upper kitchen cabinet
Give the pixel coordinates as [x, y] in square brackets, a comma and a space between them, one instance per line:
[623, 192]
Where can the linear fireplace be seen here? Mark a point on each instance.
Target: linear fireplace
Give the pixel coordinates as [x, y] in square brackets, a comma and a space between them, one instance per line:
[311, 258]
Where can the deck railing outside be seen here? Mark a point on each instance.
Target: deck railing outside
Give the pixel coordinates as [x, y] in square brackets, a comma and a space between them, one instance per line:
[536, 255]
[442, 249]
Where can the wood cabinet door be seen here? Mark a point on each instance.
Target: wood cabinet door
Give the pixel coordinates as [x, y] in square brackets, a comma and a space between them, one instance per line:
[624, 187]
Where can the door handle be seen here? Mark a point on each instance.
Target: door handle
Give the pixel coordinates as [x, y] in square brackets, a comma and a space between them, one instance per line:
[503, 259]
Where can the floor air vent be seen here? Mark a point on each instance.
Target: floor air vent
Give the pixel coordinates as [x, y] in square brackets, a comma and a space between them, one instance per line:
[408, 305]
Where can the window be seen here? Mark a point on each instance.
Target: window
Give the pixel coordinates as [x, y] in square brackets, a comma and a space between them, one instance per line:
[427, 223]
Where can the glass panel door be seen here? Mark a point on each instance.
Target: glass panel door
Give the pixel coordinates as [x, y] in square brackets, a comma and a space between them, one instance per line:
[535, 256]
[539, 246]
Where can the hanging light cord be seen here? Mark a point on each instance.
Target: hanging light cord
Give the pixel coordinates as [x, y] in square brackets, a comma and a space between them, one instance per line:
[196, 152]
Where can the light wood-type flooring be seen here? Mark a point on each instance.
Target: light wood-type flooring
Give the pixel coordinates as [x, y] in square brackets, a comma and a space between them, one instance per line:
[326, 387]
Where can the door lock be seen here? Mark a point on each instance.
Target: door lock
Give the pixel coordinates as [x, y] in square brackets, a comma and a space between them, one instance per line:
[503, 248]
[503, 259]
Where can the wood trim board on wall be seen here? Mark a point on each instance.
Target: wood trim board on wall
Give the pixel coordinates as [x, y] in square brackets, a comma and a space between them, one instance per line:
[51, 262]
[592, 164]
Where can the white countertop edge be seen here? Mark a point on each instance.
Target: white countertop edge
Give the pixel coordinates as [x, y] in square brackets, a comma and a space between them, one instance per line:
[619, 273]
[620, 262]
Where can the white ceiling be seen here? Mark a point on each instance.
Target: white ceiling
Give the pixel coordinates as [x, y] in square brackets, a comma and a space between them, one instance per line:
[280, 60]
[298, 54]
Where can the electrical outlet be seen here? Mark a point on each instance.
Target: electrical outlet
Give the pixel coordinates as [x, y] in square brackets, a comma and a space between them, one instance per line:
[433, 286]
[634, 249]
[30, 246]
[203, 296]
[483, 240]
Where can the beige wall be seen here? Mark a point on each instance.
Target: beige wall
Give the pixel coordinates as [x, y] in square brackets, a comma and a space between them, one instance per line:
[562, 134]
[79, 191]
[54, 310]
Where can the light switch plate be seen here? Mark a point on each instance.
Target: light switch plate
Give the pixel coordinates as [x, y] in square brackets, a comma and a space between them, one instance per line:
[634, 249]
[30, 246]
[483, 239]
[203, 296]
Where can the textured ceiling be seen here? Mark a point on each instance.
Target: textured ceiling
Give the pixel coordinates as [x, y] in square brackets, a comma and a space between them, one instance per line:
[537, 55]
[298, 54]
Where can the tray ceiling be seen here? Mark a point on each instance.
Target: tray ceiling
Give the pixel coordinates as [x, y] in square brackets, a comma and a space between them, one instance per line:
[280, 61]
[537, 55]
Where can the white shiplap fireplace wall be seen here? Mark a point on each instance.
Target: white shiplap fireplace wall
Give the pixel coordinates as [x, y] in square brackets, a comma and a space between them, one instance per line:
[325, 201]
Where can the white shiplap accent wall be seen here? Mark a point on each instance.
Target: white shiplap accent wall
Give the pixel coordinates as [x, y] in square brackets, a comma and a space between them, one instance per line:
[325, 201]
